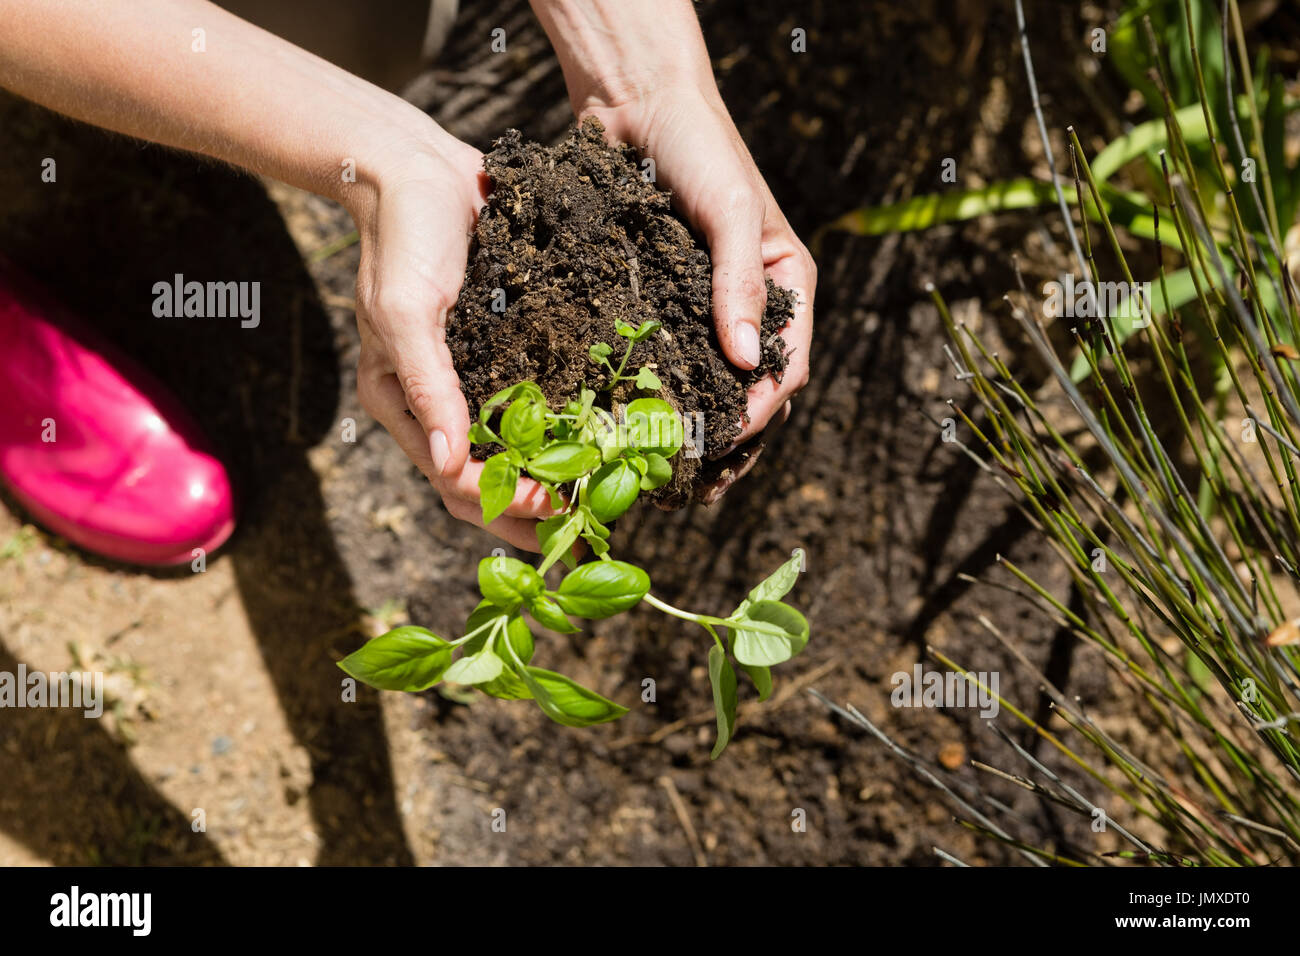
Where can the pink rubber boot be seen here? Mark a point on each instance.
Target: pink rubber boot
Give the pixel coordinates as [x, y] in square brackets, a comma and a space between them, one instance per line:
[94, 447]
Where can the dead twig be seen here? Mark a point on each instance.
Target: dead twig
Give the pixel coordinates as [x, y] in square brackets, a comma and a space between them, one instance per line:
[679, 806]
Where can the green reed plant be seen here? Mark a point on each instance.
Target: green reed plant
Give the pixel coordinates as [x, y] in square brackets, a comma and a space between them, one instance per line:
[1189, 598]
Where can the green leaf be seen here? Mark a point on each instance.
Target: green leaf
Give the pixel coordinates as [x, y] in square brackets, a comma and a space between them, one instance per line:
[762, 678]
[523, 426]
[1182, 290]
[487, 613]
[508, 582]
[562, 699]
[496, 486]
[507, 685]
[625, 330]
[922, 212]
[586, 398]
[555, 538]
[520, 637]
[564, 461]
[553, 494]
[612, 490]
[1127, 209]
[776, 585]
[723, 679]
[606, 434]
[599, 352]
[767, 633]
[653, 426]
[1199, 674]
[480, 434]
[566, 701]
[646, 329]
[406, 658]
[602, 589]
[758, 674]
[1146, 137]
[593, 524]
[594, 533]
[658, 472]
[521, 390]
[483, 612]
[599, 546]
[549, 614]
[647, 380]
[475, 668]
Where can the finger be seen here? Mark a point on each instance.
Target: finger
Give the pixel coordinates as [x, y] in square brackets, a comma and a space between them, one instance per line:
[792, 269]
[385, 400]
[763, 399]
[414, 293]
[712, 494]
[747, 459]
[520, 532]
[428, 380]
[530, 500]
[733, 227]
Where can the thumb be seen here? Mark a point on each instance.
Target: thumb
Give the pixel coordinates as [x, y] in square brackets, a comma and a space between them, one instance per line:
[734, 231]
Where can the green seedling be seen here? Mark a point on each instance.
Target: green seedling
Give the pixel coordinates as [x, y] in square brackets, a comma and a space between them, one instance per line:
[594, 467]
[645, 379]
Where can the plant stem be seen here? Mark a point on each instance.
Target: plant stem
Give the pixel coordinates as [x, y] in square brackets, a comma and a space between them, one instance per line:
[705, 620]
[478, 630]
[618, 376]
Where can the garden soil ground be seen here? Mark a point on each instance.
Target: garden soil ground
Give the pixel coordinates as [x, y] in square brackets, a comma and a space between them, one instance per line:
[573, 243]
[228, 698]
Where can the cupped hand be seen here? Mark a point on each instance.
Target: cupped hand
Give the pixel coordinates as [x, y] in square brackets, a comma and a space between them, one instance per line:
[415, 227]
[699, 155]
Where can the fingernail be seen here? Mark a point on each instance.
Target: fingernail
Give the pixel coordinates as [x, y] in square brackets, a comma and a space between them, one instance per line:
[440, 450]
[747, 344]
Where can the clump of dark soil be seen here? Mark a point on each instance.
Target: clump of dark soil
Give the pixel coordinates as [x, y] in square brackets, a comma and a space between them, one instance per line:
[578, 241]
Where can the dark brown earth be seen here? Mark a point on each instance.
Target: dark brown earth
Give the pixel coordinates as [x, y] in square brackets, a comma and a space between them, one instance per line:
[578, 240]
[337, 534]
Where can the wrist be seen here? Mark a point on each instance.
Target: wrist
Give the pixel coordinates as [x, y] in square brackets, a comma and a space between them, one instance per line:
[396, 144]
[622, 53]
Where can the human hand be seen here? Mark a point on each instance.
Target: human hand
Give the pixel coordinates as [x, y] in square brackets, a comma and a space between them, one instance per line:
[415, 225]
[642, 69]
[700, 156]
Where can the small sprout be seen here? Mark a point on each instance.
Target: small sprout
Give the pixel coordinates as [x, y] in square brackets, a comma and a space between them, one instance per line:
[645, 379]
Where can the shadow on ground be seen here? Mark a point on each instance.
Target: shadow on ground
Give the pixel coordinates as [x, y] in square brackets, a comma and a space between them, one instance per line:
[118, 218]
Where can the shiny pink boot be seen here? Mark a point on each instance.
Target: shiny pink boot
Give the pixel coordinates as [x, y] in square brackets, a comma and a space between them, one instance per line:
[95, 448]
